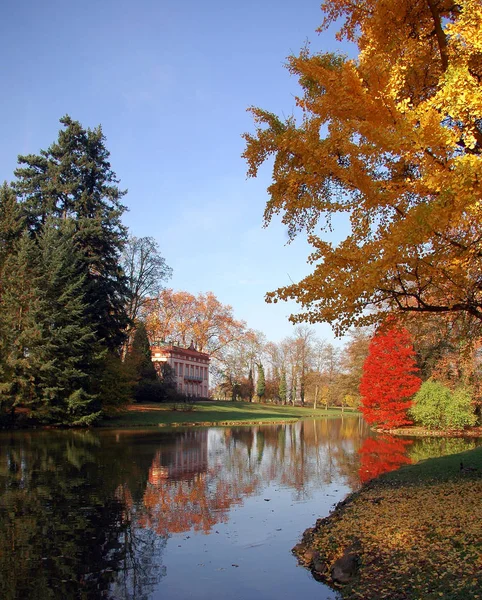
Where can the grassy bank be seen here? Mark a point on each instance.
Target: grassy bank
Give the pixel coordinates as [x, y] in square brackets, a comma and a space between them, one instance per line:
[413, 534]
[212, 413]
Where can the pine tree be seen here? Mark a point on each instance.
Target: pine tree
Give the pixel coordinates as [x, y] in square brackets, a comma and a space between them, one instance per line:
[389, 378]
[261, 383]
[73, 179]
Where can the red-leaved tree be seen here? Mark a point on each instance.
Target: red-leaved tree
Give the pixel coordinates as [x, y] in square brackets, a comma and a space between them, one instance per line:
[389, 379]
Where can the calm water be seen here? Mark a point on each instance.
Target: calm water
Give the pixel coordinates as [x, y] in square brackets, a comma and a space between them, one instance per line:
[206, 513]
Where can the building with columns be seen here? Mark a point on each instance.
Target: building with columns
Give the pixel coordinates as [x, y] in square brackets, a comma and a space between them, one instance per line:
[191, 367]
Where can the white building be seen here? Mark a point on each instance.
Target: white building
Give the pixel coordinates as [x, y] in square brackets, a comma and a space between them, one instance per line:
[190, 366]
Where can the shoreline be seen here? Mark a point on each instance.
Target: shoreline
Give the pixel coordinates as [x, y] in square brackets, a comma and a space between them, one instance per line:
[473, 432]
[411, 533]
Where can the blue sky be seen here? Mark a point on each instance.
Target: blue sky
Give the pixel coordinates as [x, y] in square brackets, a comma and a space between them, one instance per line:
[170, 82]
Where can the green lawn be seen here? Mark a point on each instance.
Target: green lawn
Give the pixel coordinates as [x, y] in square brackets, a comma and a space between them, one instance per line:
[213, 412]
[416, 533]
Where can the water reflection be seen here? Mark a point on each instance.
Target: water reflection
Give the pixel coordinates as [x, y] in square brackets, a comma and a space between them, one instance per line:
[90, 514]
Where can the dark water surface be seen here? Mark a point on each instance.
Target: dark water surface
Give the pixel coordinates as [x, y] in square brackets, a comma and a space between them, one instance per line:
[205, 513]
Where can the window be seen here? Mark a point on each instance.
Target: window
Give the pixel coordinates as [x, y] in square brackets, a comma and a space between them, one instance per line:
[181, 369]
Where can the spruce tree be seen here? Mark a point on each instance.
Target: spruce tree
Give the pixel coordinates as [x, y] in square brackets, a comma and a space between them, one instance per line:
[73, 180]
[261, 383]
[250, 385]
[19, 303]
[11, 222]
[148, 386]
[67, 353]
[48, 342]
[283, 387]
[140, 353]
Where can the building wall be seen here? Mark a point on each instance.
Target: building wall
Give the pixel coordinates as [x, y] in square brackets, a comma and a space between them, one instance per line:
[190, 367]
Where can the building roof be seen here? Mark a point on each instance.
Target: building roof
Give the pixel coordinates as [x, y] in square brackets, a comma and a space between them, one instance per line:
[166, 348]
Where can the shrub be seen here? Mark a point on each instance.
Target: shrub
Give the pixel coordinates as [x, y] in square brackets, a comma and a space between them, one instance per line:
[460, 413]
[437, 407]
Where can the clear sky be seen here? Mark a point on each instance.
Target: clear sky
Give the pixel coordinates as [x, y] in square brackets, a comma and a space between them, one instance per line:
[170, 81]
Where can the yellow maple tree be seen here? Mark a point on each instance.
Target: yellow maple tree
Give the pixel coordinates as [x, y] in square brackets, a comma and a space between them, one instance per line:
[393, 140]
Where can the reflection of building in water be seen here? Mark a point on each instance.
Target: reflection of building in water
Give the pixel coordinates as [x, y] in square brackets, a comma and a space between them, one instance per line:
[183, 458]
[190, 367]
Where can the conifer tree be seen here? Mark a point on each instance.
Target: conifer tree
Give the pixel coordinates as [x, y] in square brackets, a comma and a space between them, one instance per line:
[18, 330]
[148, 387]
[11, 222]
[67, 354]
[261, 383]
[73, 179]
[47, 338]
[283, 387]
[140, 354]
[250, 385]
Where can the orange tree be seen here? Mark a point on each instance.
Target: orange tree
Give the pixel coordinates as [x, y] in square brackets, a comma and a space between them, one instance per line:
[389, 379]
[393, 141]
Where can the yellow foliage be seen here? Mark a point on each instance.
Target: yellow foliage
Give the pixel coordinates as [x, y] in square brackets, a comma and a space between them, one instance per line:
[394, 141]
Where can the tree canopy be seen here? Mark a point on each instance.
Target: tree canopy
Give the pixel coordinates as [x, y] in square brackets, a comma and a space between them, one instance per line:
[393, 141]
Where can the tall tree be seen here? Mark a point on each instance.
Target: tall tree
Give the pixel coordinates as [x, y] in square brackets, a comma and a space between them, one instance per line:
[18, 331]
[73, 179]
[51, 353]
[261, 383]
[283, 387]
[145, 270]
[11, 222]
[389, 378]
[392, 142]
[303, 341]
[181, 317]
[139, 359]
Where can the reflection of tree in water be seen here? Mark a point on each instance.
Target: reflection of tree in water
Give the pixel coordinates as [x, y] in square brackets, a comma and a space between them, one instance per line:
[308, 454]
[186, 491]
[383, 454]
[63, 533]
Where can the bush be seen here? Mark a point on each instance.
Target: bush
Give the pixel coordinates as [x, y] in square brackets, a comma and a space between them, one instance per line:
[148, 391]
[461, 411]
[437, 407]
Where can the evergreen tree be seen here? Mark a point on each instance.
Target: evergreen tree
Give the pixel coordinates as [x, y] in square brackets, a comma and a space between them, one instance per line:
[261, 383]
[18, 331]
[11, 222]
[47, 338]
[67, 354]
[283, 387]
[250, 389]
[140, 354]
[148, 387]
[73, 179]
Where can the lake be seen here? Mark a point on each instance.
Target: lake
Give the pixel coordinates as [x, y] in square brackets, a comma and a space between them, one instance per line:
[201, 513]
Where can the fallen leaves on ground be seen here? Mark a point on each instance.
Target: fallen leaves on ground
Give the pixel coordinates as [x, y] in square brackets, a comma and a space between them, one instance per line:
[415, 539]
